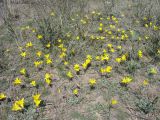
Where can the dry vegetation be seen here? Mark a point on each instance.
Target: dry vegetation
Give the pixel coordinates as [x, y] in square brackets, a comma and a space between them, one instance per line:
[80, 60]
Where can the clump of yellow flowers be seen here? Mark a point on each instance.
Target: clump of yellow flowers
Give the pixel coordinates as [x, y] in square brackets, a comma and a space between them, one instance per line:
[126, 80]
[48, 45]
[17, 81]
[152, 71]
[118, 60]
[23, 71]
[105, 57]
[48, 78]
[108, 69]
[114, 102]
[145, 82]
[18, 105]
[92, 82]
[77, 67]
[87, 62]
[75, 91]
[36, 99]
[29, 44]
[2, 96]
[39, 37]
[23, 54]
[140, 54]
[39, 53]
[48, 59]
[69, 75]
[38, 63]
[33, 83]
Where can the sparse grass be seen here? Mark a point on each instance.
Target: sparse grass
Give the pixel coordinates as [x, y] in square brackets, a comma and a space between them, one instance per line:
[82, 60]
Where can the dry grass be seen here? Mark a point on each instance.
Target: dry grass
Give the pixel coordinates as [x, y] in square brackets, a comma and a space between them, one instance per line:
[73, 29]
